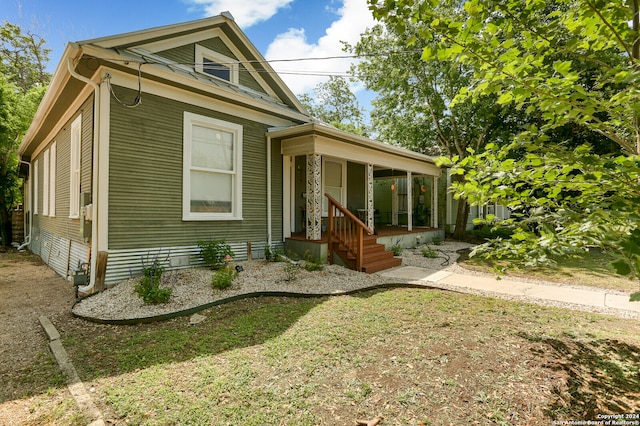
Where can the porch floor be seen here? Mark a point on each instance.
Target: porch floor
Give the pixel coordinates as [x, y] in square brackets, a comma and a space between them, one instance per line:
[382, 231]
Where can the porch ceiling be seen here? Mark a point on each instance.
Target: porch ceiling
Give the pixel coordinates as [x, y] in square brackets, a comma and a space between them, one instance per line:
[314, 138]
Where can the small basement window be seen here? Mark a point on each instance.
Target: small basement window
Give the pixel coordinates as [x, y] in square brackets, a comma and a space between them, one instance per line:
[217, 65]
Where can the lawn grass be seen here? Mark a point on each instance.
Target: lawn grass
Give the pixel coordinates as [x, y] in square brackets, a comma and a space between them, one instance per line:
[411, 356]
[592, 270]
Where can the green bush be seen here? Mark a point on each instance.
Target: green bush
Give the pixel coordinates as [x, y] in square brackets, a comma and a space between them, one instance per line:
[214, 253]
[291, 269]
[437, 240]
[487, 232]
[429, 252]
[311, 264]
[149, 286]
[273, 254]
[396, 249]
[223, 278]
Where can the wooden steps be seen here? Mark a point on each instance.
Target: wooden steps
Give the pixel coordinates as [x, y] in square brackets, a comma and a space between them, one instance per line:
[375, 257]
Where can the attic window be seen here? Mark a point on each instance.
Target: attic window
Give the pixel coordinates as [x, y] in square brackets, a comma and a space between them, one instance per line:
[216, 65]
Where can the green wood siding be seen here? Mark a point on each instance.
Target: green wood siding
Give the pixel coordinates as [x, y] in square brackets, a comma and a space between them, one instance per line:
[145, 178]
[61, 225]
[186, 55]
[181, 55]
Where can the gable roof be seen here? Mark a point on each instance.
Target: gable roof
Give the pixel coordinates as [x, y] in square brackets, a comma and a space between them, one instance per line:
[141, 52]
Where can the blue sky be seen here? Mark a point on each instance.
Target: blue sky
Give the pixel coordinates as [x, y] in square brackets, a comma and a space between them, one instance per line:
[279, 28]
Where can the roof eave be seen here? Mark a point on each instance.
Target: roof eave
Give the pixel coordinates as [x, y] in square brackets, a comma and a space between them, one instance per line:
[56, 85]
[332, 131]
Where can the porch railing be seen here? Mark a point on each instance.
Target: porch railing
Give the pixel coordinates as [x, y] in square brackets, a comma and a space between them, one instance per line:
[345, 231]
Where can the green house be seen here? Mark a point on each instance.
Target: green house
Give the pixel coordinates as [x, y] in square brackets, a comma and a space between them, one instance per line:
[148, 142]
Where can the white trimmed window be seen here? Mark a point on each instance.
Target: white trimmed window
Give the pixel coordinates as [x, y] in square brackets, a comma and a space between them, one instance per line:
[74, 178]
[52, 179]
[35, 186]
[45, 184]
[212, 169]
[217, 65]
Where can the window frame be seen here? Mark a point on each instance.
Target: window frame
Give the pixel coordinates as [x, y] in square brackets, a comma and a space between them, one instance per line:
[45, 183]
[53, 151]
[74, 172]
[202, 53]
[36, 164]
[190, 120]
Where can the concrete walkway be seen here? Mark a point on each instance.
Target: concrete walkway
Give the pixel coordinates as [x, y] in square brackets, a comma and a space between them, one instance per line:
[601, 299]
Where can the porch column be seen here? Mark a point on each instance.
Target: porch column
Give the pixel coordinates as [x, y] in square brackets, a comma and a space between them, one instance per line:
[434, 202]
[370, 209]
[409, 202]
[394, 202]
[449, 221]
[314, 197]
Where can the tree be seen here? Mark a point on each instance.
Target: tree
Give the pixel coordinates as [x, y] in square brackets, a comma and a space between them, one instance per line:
[24, 57]
[413, 107]
[335, 104]
[22, 85]
[572, 63]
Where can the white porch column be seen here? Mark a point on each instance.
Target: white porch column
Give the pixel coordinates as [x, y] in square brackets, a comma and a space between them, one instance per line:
[434, 202]
[370, 209]
[394, 202]
[314, 197]
[409, 202]
[449, 221]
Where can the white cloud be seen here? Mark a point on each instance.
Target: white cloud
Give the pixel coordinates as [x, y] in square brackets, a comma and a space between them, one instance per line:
[245, 13]
[353, 18]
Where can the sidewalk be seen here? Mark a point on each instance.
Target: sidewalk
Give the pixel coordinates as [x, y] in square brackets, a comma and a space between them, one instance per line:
[593, 298]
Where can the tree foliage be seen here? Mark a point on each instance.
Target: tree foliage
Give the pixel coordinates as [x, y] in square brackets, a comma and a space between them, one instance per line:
[414, 105]
[335, 104]
[22, 84]
[572, 64]
[24, 57]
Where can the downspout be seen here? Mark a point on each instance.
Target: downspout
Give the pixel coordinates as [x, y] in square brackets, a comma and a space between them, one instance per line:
[269, 227]
[96, 155]
[27, 238]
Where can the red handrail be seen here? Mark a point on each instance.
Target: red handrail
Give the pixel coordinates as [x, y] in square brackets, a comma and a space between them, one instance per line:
[345, 230]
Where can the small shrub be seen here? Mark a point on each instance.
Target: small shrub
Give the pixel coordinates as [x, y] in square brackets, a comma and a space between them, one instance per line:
[214, 252]
[486, 232]
[149, 286]
[273, 254]
[311, 264]
[429, 252]
[223, 278]
[291, 269]
[396, 249]
[437, 240]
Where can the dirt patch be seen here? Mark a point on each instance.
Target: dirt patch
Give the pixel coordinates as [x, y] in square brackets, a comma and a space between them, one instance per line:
[28, 289]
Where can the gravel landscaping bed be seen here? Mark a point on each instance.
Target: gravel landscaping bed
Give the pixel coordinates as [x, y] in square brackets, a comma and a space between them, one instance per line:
[192, 287]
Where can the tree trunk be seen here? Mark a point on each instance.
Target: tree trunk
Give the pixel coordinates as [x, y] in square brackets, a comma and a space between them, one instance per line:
[461, 219]
[5, 227]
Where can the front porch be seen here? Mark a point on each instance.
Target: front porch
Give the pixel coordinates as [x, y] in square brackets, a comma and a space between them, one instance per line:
[383, 195]
[387, 235]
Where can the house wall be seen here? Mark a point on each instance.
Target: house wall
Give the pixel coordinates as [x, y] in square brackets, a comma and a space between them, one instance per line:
[145, 178]
[57, 238]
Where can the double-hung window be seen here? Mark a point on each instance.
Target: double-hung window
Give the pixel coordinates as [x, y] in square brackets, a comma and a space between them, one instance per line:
[36, 184]
[45, 184]
[52, 178]
[74, 178]
[212, 169]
